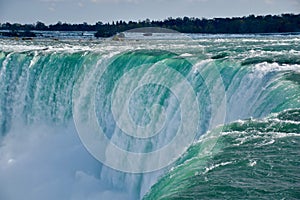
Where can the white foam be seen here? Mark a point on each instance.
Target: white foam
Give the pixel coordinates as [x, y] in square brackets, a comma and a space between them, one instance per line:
[252, 163]
[265, 67]
[207, 169]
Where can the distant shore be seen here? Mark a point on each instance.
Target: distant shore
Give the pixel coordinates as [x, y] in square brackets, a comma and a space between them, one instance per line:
[285, 24]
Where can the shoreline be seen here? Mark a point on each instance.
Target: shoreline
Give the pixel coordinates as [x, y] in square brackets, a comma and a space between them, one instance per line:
[88, 35]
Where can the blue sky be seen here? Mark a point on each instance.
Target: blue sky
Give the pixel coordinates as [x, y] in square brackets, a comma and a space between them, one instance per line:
[91, 11]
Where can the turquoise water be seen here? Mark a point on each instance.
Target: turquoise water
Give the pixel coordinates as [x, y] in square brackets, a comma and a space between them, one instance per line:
[253, 159]
[235, 98]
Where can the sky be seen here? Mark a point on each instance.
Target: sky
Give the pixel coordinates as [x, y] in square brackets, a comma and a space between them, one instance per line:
[92, 11]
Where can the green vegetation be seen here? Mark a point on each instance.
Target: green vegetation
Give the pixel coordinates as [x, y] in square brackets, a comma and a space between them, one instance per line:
[285, 23]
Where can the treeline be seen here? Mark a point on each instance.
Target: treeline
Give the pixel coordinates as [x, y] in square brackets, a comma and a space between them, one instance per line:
[251, 24]
[40, 26]
[238, 25]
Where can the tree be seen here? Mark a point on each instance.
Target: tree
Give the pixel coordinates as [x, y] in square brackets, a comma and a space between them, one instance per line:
[40, 26]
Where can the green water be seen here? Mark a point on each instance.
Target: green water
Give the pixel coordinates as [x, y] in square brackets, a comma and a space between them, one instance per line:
[247, 95]
[252, 159]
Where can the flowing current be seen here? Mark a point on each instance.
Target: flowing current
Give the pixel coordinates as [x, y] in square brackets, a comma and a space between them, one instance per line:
[167, 116]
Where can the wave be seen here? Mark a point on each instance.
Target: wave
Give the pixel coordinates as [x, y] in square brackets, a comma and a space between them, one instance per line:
[280, 60]
[251, 159]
